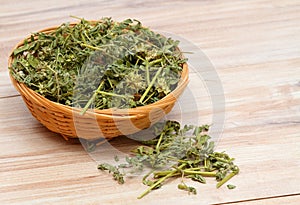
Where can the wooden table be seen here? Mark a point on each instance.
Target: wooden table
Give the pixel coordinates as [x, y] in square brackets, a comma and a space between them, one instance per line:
[255, 49]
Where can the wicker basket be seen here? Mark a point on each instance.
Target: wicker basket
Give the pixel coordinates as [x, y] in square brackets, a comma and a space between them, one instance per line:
[107, 123]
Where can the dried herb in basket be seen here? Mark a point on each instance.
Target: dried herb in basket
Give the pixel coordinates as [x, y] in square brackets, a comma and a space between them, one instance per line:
[176, 152]
[107, 63]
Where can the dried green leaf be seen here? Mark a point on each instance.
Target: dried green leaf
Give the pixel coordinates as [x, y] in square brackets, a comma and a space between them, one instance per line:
[198, 178]
[230, 186]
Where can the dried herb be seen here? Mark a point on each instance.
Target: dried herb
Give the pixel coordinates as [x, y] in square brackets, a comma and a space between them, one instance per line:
[104, 63]
[230, 186]
[189, 189]
[180, 152]
[117, 175]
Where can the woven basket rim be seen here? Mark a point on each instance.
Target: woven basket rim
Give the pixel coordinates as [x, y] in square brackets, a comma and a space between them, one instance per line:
[126, 112]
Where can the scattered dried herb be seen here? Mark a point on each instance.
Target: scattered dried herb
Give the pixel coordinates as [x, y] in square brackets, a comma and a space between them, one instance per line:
[104, 63]
[178, 152]
[189, 189]
[230, 186]
[117, 175]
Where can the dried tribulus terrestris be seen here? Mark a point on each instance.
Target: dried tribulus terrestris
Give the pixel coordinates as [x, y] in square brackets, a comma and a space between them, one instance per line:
[184, 152]
[107, 63]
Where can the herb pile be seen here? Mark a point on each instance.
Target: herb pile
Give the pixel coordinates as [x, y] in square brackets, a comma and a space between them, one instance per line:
[176, 152]
[110, 64]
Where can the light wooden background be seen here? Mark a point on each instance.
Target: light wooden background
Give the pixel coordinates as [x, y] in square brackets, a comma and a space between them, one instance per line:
[255, 48]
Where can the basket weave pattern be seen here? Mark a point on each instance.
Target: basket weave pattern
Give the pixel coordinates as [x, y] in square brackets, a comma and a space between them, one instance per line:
[107, 123]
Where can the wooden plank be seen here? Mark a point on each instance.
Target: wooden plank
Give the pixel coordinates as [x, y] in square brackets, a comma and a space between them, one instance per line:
[291, 199]
[6, 87]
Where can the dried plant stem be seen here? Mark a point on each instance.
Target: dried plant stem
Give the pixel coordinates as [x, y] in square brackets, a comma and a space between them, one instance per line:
[91, 100]
[151, 84]
[160, 181]
[57, 82]
[98, 49]
[186, 172]
[225, 179]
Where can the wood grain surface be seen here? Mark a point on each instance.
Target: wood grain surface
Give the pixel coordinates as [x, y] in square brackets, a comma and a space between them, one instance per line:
[254, 47]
